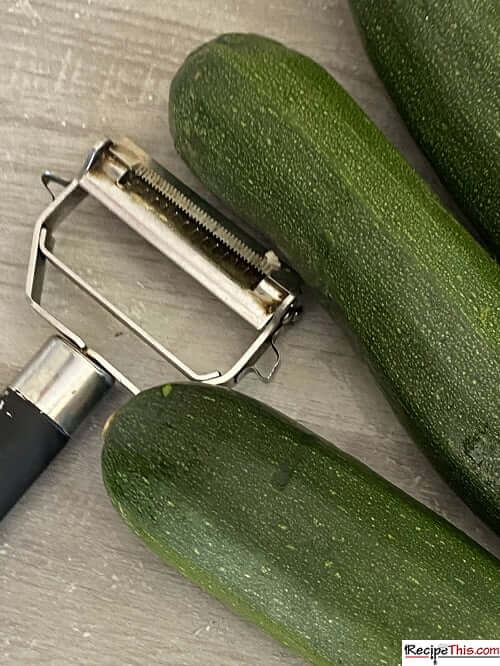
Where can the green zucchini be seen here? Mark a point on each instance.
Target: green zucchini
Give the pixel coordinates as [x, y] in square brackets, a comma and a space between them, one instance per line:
[283, 145]
[440, 62]
[300, 538]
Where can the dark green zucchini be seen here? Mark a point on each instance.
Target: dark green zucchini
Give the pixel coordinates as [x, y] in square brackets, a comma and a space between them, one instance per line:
[440, 62]
[299, 537]
[284, 146]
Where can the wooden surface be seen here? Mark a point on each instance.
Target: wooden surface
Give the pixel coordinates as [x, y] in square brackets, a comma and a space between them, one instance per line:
[76, 587]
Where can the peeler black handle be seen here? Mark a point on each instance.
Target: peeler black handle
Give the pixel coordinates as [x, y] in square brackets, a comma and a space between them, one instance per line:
[28, 441]
[39, 412]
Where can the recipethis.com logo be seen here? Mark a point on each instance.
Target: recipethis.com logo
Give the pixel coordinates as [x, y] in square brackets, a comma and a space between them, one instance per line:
[451, 653]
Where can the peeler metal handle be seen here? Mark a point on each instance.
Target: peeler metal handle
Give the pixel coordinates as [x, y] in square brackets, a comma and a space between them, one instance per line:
[39, 412]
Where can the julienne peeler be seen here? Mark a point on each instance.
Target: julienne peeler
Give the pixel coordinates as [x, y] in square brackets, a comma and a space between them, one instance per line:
[58, 388]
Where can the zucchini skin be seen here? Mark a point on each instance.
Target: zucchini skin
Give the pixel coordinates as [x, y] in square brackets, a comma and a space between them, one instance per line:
[440, 62]
[274, 136]
[297, 536]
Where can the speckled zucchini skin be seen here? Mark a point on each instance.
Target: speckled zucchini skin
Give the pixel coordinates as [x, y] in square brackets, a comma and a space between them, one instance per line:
[440, 62]
[297, 536]
[282, 144]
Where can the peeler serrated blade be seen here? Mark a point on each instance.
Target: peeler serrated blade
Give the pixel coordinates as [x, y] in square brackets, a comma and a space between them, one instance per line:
[233, 266]
[264, 263]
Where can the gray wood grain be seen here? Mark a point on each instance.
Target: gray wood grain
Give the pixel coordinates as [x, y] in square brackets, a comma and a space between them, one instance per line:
[76, 587]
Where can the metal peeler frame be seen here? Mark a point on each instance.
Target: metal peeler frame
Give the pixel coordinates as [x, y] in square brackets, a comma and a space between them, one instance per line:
[74, 192]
